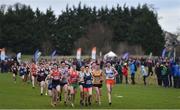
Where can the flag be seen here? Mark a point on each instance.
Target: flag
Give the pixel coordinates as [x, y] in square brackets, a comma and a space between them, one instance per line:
[37, 54]
[125, 56]
[3, 55]
[171, 54]
[163, 52]
[93, 54]
[100, 54]
[19, 57]
[53, 54]
[150, 55]
[78, 55]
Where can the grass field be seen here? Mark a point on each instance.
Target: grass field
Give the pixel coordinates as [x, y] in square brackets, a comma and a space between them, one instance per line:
[21, 95]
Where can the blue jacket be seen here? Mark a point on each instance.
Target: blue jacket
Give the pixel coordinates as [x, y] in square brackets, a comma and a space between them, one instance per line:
[179, 72]
[132, 68]
[176, 70]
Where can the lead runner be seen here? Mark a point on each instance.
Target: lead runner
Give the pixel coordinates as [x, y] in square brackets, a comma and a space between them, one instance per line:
[110, 73]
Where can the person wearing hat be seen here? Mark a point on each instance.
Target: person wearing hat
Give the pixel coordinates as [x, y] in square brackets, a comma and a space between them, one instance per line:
[110, 73]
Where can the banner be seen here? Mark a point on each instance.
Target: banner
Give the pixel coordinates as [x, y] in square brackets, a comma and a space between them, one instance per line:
[163, 52]
[3, 55]
[53, 54]
[78, 55]
[19, 57]
[125, 56]
[93, 53]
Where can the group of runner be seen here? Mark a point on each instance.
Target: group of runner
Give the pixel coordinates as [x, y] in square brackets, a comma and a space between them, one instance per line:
[62, 79]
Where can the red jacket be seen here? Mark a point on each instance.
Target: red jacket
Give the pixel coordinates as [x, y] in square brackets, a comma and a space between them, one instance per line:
[125, 71]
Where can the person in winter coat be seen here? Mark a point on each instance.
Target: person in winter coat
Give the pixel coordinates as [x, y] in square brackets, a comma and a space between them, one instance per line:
[164, 74]
[176, 75]
[158, 73]
[119, 77]
[132, 67]
[144, 73]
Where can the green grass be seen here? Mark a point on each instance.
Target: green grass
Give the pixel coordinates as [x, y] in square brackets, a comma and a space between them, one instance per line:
[21, 95]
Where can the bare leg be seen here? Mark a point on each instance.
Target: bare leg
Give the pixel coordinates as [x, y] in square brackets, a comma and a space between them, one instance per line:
[109, 92]
[33, 81]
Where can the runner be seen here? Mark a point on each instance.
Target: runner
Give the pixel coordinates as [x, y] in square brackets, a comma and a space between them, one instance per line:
[22, 71]
[87, 86]
[47, 72]
[41, 76]
[64, 80]
[97, 82]
[81, 83]
[48, 81]
[73, 84]
[26, 76]
[14, 70]
[110, 73]
[33, 74]
[55, 74]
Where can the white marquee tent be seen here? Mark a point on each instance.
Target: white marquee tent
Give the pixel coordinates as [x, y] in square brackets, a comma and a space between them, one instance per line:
[110, 55]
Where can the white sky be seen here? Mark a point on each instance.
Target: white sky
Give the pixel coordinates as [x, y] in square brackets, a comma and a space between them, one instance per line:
[168, 10]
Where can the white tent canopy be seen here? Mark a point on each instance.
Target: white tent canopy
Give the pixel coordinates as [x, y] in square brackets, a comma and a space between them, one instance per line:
[110, 55]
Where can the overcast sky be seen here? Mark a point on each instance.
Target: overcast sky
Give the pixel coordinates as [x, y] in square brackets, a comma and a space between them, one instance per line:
[168, 10]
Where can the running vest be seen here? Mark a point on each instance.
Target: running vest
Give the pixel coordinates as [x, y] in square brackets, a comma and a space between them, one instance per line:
[65, 74]
[14, 69]
[73, 77]
[47, 71]
[33, 69]
[88, 80]
[41, 74]
[22, 71]
[56, 75]
[81, 76]
[97, 77]
[109, 73]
